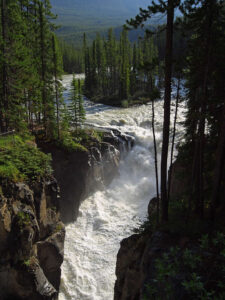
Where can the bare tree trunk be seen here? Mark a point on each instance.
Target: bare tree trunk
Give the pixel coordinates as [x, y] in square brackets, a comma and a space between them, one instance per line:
[173, 139]
[43, 66]
[167, 101]
[3, 115]
[156, 160]
[204, 98]
[219, 167]
[56, 85]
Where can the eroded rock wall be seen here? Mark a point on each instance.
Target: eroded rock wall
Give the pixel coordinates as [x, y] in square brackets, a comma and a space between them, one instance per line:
[31, 240]
[79, 174]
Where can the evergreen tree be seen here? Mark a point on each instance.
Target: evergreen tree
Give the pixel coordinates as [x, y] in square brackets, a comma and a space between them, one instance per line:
[124, 66]
[76, 103]
[114, 69]
[168, 8]
[81, 110]
[203, 22]
[57, 70]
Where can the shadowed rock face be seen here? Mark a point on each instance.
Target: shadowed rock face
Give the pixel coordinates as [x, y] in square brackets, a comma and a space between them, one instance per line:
[81, 173]
[136, 263]
[30, 226]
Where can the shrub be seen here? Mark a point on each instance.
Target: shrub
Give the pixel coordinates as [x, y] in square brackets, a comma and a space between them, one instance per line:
[68, 144]
[198, 271]
[21, 161]
[125, 104]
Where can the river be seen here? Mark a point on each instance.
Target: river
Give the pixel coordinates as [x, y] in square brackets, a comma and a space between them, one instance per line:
[109, 215]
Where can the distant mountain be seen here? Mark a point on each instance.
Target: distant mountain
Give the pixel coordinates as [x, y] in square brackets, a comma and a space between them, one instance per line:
[99, 11]
[91, 16]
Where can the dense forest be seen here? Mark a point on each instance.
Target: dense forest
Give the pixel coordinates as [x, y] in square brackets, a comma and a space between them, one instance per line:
[32, 61]
[30, 66]
[115, 71]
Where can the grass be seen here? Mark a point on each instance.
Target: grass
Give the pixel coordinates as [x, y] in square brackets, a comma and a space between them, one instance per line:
[23, 219]
[20, 160]
[79, 140]
[69, 144]
[84, 136]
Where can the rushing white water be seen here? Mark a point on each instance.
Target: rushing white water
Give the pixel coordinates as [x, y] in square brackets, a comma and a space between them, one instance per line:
[108, 216]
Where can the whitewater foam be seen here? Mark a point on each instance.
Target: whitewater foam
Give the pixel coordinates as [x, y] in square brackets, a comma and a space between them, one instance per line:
[108, 216]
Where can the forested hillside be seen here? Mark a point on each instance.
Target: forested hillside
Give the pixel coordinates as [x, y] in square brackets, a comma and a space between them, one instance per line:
[96, 10]
[75, 17]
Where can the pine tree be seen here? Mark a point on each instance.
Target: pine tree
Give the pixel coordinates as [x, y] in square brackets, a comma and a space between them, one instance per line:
[57, 70]
[124, 66]
[205, 95]
[81, 110]
[76, 104]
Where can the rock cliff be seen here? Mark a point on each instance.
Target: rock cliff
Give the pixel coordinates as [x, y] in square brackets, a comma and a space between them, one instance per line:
[81, 173]
[31, 232]
[32, 239]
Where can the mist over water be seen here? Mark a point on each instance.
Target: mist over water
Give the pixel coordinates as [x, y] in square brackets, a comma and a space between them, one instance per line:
[109, 215]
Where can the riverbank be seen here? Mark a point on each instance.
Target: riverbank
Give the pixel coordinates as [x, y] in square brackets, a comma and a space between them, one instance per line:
[120, 103]
[32, 203]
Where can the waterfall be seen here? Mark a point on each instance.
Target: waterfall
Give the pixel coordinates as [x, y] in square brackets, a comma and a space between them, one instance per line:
[109, 215]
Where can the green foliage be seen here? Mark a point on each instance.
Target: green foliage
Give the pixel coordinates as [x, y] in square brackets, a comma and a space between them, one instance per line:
[58, 228]
[30, 67]
[125, 104]
[72, 58]
[115, 71]
[22, 161]
[69, 144]
[197, 271]
[98, 135]
[87, 136]
[23, 219]
[76, 106]
[27, 262]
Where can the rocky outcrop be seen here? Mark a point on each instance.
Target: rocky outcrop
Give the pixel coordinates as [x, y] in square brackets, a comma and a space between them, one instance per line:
[32, 240]
[136, 267]
[81, 173]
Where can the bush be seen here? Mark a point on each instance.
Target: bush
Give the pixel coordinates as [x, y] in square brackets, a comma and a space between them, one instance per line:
[196, 272]
[68, 144]
[21, 161]
[125, 104]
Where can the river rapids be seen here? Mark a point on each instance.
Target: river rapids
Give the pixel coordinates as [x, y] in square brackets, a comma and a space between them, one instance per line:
[110, 215]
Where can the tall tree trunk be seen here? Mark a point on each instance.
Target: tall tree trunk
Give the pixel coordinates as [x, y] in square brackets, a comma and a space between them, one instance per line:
[156, 160]
[173, 139]
[43, 65]
[56, 84]
[3, 116]
[219, 167]
[167, 101]
[201, 135]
